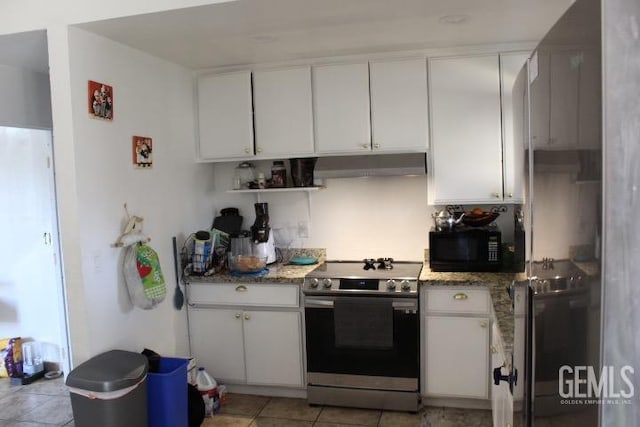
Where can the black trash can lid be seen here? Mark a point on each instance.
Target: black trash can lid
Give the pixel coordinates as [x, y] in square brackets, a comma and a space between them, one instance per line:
[110, 371]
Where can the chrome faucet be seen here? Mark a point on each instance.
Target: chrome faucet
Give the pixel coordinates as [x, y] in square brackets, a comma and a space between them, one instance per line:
[547, 263]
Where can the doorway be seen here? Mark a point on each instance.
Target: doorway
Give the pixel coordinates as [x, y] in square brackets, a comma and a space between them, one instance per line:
[32, 302]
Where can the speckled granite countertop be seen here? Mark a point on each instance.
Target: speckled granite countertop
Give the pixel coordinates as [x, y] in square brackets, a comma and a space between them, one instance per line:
[281, 272]
[496, 283]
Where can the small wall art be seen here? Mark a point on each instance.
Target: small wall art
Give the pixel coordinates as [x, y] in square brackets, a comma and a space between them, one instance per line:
[100, 100]
[142, 152]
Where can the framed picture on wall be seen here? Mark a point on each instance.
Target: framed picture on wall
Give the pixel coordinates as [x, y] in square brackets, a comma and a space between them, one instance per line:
[100, 101]
[142, 152]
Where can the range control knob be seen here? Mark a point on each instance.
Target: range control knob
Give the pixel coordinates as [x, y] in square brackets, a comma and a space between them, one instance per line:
[326, 283]
[391, 284]
[313, 283]
[405, 285]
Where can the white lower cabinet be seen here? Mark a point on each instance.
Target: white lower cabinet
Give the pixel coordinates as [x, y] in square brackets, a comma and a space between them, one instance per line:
[248, 346]
[501, 398]
[455, 342]
[253, 346]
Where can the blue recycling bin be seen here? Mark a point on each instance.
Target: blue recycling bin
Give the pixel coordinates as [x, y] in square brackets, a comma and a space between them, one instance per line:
[167, 394]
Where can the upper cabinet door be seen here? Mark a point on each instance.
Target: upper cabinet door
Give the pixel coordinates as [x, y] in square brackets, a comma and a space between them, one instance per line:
[513, 103]
[466, 141]
[399, 105]
[283, 112]
[225, 116]
[341, 107]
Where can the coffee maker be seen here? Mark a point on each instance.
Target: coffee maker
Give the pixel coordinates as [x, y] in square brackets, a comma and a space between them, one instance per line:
[263, 244]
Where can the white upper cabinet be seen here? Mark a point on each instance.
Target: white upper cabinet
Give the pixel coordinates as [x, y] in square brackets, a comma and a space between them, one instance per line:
[225, 116]
[283, 113]
[513, 111]
[563, 126]
[466, 130]
[341, 108]
[399, 105]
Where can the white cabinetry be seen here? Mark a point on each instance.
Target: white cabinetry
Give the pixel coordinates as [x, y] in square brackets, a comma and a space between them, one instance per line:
[501, 399]
[474, 158]
[399, 105]
[247, 344]
[466, 130]
[456, 343]
[341, 108]
[513, 158]
[283, 112]
[225, 116]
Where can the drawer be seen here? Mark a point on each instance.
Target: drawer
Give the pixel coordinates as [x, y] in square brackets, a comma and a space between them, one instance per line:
[243, 294]
[458, 300]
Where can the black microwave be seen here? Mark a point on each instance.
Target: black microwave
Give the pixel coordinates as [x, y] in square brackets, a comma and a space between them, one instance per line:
[465, 249]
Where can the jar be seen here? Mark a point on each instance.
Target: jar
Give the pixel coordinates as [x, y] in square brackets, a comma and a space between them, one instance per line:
[262, 181]
[278, 174]
[244, 174]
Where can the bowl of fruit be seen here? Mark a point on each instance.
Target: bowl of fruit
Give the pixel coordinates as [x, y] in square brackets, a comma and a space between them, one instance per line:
[478, 217]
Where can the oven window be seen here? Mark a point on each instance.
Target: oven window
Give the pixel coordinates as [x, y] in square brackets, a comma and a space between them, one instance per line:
[399, 359]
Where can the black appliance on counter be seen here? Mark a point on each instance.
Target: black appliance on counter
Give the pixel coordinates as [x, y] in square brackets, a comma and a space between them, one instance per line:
[362, 334]
[465, 249]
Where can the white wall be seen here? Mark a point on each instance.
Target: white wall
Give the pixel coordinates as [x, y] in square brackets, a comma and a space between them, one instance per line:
[151, 98]
[26, 98]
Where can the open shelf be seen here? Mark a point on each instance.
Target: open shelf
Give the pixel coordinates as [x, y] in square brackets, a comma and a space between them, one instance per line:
[276, 190]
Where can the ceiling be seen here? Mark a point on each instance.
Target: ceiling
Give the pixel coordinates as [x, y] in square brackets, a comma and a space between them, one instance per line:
[255, 31]
[25, 50]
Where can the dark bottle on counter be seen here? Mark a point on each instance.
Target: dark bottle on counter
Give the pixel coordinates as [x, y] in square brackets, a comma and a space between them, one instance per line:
[278, 174]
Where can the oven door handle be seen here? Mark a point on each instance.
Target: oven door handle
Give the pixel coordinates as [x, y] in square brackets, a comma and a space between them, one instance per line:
[318, 303]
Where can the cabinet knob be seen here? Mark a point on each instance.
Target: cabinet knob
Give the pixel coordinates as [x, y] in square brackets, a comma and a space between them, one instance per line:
[376, 146]
[494, 350]
[484, 323]
[246, 151]
[366, 146]
[237, 315]
[241, 288]
[496, 195]
[246, 316]
[510, 195]
[258, 150]
[460, 296]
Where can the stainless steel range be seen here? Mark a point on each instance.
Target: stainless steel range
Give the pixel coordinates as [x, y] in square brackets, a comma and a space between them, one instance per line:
[362, 334]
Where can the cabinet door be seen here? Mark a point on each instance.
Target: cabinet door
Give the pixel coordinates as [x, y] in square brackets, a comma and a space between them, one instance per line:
[273, 347]
[518, 356]
[513, 107]
[539, 99]
[466, 130]
[399, 105]
[341, 108]
[563, 126]
[457, 356]
[225, 116]
[216, 343]
[283, 116]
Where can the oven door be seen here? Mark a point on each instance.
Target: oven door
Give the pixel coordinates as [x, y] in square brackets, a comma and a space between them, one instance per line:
[359, 341]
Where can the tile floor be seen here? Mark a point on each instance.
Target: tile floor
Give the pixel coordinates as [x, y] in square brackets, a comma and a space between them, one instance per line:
[259, 411]
[46, 403]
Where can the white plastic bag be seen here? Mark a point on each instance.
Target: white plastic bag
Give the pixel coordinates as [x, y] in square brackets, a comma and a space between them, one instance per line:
[143, 276]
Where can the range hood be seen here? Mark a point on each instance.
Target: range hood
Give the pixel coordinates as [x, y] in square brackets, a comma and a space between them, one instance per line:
[371, 165]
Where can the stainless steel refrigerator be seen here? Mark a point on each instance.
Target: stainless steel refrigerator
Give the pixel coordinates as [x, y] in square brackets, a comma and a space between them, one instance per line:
[559, 120]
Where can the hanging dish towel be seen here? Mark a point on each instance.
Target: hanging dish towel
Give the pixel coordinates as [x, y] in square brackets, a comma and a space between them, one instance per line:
[143, 276]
